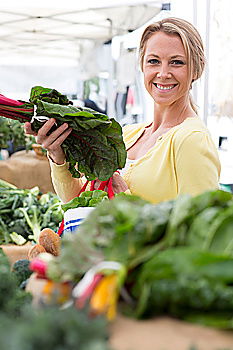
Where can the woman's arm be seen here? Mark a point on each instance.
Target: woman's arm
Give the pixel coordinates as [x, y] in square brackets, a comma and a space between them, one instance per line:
[65, 186]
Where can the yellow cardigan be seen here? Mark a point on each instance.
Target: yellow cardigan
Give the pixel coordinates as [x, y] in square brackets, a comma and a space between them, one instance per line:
[183, 160]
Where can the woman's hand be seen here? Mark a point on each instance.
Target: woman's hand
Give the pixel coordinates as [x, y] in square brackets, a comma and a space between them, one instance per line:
[118, 184]
[52, 143]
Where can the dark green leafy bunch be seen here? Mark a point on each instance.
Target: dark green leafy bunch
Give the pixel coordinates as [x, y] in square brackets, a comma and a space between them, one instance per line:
[21, 270]
[204, 221]
[52, 328]
[188, 283]
[178, 254]
[126, 228]
[95, 143]
[25, 212]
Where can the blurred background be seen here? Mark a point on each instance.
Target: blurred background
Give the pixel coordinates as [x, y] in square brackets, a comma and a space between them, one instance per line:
[88, 50]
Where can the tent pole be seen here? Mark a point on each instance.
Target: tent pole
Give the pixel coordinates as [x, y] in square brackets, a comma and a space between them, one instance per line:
[110, 86]
[194, 89]
[206, 81]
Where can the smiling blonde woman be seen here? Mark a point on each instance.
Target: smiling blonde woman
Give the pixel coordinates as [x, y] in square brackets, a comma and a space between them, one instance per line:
[173, 154]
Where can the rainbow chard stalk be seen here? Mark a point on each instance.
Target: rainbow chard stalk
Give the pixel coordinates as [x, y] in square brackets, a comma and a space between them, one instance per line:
[17, 110]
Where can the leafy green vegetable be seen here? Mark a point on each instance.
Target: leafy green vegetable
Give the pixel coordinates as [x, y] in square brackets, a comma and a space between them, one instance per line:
[52, 328]
[123, 229]
[86, 199]
[12, 131]
[186, 209]
[12, 298]
[25, 212]
[177, 254]
[21, 270]
[95, 143]
[183, 280]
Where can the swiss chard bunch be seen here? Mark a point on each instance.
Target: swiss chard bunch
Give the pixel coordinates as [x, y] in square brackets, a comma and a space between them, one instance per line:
[95, 143]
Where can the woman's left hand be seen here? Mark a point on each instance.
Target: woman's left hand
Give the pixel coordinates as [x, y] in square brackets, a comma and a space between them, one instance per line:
[118, 184]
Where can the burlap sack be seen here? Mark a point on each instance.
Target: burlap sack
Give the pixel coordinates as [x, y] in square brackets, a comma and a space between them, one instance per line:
[26, 170]
[15, 252]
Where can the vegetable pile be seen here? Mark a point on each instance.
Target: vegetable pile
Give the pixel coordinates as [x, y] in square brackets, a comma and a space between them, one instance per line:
[12, 131]
[25, 327]
[173, 258]
[95, 143]
[25, 212]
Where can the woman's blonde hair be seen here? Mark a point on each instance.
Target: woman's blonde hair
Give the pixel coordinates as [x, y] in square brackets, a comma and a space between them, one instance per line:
[190, 38]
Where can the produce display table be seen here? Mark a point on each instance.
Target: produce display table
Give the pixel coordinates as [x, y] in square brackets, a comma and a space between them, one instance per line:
[26, 170]
[165, 333]
[162, 333]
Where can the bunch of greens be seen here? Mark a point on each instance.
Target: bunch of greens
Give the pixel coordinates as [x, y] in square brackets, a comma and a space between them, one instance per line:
[178, 254]
[95, 143]
[16, 109]
[53, 328]
[204, 221]
[86, 199]
[12, 131]
[68, 329]
[25, 212]
[125, 229]
[188, 283]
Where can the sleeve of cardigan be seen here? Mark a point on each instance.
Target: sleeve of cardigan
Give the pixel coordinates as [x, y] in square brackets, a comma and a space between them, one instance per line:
[197, 164]
[65, 186]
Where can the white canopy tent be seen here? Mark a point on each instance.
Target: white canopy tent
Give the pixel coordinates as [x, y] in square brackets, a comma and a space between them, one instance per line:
[47, 41]
[61, 29]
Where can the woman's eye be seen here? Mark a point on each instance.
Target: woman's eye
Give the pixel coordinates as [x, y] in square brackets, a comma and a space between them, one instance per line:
[153, 61]
[177, 62]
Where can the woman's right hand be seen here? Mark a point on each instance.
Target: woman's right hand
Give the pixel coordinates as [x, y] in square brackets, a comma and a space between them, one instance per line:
[52, 143]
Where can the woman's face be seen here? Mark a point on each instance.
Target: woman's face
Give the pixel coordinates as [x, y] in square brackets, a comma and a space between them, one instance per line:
[165, 69]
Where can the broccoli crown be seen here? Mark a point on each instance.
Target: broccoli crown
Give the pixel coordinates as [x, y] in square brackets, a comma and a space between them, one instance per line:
[21, 270]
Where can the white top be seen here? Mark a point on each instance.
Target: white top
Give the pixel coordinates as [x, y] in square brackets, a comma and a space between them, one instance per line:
[127, 165]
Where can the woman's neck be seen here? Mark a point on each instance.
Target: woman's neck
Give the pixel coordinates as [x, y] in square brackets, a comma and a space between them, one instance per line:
[166, 117]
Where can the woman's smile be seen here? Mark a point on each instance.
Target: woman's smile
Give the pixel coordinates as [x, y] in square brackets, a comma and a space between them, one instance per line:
[163, 87]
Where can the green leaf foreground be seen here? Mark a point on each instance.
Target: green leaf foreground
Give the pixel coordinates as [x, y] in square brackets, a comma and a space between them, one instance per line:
[178, 254]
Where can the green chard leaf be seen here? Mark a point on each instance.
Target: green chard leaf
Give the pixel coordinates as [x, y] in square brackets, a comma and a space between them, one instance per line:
[96, 142]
